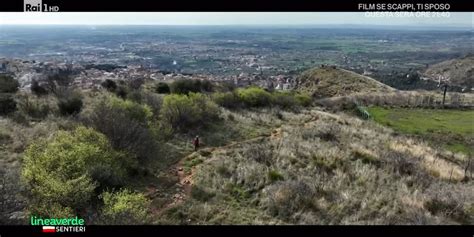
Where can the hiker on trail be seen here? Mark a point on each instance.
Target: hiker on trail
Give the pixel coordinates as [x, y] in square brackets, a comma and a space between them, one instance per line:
[196, 143]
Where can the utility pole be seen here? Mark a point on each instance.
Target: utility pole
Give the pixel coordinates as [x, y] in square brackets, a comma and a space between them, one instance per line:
[444, 94]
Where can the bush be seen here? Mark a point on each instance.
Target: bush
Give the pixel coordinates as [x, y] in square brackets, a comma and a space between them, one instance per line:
[37, 89]
[11, 198]
[70, 103]
[162, 88]
[274, 176]
[125, 208]
[255, 97]
[227, 87]
[135, 96]
[183, 112]
[226, 99]
[125, 123]
[7, 104]
[121, 91]
[109, 85]
[284, 100]
[135, 111]
[153, 101]
[51, 210]
[207, 86]
[185, 86]
[58, 82]
[66, 169]
[37, 108]
[304, 100]
[201, 194]
[288, 197]
[136, 84]
[8, 84]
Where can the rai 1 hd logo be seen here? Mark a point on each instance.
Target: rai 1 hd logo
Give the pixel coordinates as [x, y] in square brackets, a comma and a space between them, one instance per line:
[38, 6]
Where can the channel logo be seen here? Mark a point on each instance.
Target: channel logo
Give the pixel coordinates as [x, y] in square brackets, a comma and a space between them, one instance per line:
[33, 5]
[59, 225]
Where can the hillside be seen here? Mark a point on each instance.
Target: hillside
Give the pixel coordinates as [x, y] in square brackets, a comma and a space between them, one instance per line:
[459, 72]
[264, 158]
[320, 168]
[330, 81]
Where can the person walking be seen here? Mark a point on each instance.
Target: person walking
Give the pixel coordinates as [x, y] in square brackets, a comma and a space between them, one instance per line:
[196, 143]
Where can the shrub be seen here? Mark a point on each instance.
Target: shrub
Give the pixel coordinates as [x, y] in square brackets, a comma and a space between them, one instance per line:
[51, 210]
[201, 194]
[109, 85]
[207, 110]
[274, 176]
[70, 103]
[37, 89]
[255, 97]
[7, 104]
[183, 112]
[8, 84]
[162, 88]
[303, 100]
[57, 83]
[10, 195]
[185, 86]
[284, 100]
[227, 87]
[153, 101]
[136, 111]
[207, 86]
[286, 198]
[125, 208]
[125, 123]
[178, 111]
[121, 91]
[136, 84]
[135, 96]
[66, 169]
[226, 99]
[37, 108]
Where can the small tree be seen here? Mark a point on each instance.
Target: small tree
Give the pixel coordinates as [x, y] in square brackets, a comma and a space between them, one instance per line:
[109, 85]
[37, 89]
[185, 86]
[125, 123]
[70, 103]
[162, 88]
[136, 83]
[182, 112]
[58, 83]
[207, 86]
[8, 84]
[255, 97]
[7, 104]
[227, 99]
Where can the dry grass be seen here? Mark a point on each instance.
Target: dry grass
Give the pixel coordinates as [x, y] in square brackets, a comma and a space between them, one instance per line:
[331, 169]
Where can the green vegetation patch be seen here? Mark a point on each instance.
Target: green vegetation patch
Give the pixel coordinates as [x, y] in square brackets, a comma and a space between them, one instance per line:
[452, 128]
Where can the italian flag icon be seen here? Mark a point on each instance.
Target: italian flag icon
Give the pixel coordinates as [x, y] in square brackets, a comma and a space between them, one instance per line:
[49, 229]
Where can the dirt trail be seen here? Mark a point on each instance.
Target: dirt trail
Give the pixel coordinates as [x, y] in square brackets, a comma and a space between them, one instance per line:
[185, 180]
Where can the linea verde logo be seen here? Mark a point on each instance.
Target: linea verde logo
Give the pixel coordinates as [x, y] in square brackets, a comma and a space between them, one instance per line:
[53, 225]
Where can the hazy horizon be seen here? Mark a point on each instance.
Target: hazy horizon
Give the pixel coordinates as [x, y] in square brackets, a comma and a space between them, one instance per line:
[458, 20]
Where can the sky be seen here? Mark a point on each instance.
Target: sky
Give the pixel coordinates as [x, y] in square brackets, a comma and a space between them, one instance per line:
[458, 19]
